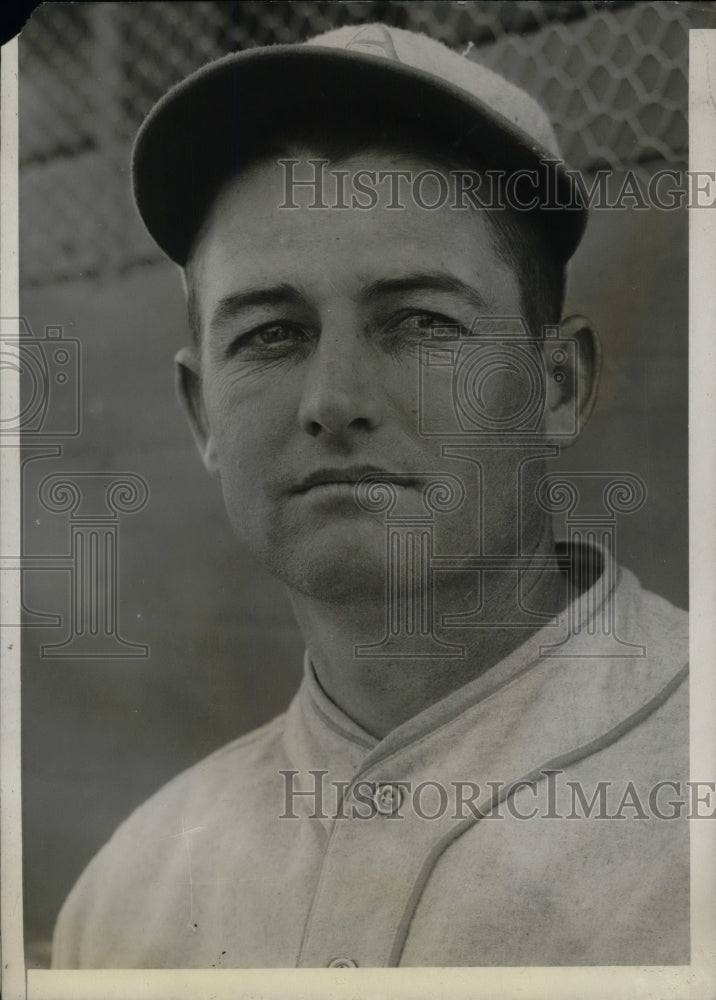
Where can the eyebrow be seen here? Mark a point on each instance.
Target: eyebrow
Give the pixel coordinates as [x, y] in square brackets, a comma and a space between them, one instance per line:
[428, 281]
[284, 294]
[276, 295]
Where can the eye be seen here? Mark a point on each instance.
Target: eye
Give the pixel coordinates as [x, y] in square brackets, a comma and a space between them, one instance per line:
[270, 338]
[423, 324]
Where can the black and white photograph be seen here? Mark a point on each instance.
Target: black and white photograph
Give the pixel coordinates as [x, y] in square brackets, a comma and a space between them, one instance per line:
[359, 506]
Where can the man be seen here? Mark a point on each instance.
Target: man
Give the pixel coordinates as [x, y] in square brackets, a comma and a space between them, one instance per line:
[377, 378]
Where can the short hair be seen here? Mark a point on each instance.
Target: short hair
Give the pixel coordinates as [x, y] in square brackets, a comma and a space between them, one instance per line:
[520, 239]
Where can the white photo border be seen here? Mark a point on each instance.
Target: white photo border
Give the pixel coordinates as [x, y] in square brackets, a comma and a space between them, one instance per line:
[694, 982]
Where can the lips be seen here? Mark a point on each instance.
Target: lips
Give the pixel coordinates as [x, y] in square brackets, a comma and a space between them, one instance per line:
[348, 475]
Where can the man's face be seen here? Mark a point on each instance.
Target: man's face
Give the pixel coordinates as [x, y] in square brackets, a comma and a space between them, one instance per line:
[311, 325]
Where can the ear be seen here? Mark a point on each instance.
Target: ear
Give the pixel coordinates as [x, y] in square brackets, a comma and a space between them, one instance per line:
[191, 397]
[573, 363]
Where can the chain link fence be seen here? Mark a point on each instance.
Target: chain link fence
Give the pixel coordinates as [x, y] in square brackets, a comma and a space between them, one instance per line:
[613, 77]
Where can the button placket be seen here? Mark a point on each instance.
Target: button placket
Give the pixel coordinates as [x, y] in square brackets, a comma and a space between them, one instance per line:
[365, 881]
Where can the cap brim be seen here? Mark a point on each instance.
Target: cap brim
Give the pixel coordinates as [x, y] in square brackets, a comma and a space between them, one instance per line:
[207, 126]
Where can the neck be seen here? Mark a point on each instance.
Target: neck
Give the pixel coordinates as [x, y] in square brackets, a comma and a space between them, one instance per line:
[380, 693]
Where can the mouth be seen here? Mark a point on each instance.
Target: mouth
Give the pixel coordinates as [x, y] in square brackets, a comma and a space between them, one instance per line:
[347, 477]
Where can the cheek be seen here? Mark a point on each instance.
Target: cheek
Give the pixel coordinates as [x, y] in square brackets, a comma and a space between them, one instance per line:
[488, 391]
[506, 396]
[400, 388]
[249, 424]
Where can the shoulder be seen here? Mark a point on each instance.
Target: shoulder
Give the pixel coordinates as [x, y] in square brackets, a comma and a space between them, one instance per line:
[642, 690]
[234, 768]
[203, 803]
[664, 626]
[661, 631]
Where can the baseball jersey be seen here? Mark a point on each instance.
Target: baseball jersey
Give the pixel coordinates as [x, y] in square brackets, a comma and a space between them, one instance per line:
[535, 816]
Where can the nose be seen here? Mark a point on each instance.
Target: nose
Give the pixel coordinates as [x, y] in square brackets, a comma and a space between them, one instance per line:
[341, 394]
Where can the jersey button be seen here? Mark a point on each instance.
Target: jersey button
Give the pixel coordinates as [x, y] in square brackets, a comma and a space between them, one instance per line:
[388, 799]
[342, 963]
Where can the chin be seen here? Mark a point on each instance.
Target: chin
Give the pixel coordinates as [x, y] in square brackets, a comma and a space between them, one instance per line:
[335, 567]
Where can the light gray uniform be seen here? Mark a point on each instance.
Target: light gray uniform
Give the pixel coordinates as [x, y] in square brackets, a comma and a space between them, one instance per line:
[205, 874]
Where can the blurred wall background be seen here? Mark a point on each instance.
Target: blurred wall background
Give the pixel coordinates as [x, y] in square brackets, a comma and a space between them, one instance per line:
[101, 734]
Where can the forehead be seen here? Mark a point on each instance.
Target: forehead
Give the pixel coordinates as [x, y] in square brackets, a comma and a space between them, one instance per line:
[369, 219]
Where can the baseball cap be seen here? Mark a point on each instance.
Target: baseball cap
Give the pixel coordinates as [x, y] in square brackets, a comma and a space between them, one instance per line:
[208, 125]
